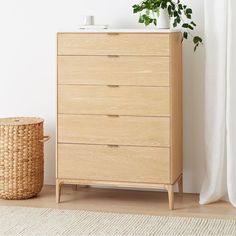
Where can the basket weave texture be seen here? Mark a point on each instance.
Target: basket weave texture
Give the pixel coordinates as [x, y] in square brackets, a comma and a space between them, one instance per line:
[21, 157]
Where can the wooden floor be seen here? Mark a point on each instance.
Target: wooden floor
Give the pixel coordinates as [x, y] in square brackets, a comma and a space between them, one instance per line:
[126, 201]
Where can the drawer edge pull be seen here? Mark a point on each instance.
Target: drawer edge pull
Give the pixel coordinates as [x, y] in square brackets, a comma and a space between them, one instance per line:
[113, 116]
[113, 86]
[113, 34]
[112, 146]
[113, 56]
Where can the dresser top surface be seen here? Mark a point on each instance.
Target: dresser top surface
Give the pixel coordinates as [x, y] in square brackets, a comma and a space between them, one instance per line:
[142, 30]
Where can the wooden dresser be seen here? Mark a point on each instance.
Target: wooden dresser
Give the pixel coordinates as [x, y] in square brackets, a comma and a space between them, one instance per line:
[119, 110]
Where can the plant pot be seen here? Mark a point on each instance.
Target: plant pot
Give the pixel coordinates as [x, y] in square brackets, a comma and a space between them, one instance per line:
[163, 21]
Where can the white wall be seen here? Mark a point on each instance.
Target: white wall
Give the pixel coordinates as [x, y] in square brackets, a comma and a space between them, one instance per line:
[28, 68]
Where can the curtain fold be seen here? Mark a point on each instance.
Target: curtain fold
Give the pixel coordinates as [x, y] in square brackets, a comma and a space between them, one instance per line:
[231, 103]
[220, 108]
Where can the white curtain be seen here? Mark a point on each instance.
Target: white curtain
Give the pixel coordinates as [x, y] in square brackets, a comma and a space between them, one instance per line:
[220, 112]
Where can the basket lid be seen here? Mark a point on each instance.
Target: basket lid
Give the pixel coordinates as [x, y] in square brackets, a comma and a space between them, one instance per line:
[20, 120]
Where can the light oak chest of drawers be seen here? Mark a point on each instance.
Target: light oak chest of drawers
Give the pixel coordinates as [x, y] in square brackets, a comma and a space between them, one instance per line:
[119, 110]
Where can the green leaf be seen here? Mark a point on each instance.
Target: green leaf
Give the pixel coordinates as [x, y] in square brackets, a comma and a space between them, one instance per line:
[173, 7]
[197, 39]
[157, 4]
[147, 5]
[147, 20]
[136, 8]
[155, 21]
[185, 25]
[141, 19]
[193, 23]
[189, 11]
[185, 35]
[190, 27]
[195, 47]
[169, 11]
[163, 5]
[175, 24]
[189, 16]
[157, 11]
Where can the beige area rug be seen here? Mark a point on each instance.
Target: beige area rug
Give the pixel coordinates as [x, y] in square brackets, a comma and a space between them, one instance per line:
[41, 221]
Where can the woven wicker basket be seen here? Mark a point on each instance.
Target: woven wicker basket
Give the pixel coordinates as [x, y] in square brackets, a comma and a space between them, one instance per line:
[21, 157]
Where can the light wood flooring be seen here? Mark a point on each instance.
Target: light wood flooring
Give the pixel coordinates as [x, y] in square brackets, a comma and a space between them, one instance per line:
[126, 201]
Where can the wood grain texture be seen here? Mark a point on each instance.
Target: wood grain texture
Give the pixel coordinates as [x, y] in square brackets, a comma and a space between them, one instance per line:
[102, 162]
[113, 184]
[176, 106]
[113, 44]
[124, 90]
[138, 101]
[58, 190]
[170, 190]
[122, 70]
[123, 130]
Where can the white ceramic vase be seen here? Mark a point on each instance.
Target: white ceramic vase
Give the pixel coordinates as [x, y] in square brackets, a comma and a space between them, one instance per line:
[163, 21]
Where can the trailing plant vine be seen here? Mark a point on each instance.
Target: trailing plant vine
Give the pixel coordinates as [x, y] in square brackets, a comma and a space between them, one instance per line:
[181, 14]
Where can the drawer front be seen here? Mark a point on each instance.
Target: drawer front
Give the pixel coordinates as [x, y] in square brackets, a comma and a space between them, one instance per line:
[100, 162]
[105, 70]
[140, 101]
[122, 130]
[113, 44]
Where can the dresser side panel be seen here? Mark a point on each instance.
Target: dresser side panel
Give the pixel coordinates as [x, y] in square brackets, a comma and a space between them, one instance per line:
[176, 106]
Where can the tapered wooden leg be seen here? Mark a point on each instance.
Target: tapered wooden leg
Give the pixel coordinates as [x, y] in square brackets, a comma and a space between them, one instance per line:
[170, 190]
[180, 184]
[58, 191]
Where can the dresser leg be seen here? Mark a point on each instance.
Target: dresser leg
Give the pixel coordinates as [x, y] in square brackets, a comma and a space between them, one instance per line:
[180, 184]
[58, 191]
[75, 187]
[84, 186]
[170, 190]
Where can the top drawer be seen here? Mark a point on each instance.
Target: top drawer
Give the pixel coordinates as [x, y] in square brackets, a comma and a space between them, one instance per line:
[113, 44]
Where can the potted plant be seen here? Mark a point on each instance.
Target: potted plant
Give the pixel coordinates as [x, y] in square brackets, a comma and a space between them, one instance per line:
[159, 12]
